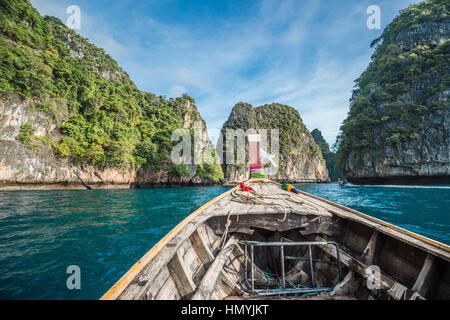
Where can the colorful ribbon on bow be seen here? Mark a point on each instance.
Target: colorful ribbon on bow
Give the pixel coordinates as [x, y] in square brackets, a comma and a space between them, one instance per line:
[289, 187]
[245, 188]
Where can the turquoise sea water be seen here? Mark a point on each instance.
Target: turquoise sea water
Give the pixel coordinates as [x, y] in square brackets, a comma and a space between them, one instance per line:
[105, 232]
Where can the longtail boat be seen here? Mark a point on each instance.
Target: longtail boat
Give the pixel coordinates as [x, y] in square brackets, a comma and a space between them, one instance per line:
[270, 243]
[263, 240]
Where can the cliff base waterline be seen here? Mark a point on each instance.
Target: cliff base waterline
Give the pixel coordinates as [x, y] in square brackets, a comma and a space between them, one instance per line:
[8, 186]
[402, 180]
[5, 186]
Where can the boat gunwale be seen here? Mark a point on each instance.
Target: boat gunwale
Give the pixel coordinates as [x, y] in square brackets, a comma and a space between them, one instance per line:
[117, 289]
[412, 234]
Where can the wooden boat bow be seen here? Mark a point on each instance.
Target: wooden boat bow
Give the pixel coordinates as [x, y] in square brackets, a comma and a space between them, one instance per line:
[189, 261]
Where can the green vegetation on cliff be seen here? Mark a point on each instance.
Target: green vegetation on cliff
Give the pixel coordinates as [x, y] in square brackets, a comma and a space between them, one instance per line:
[329, 156]
[404, 84]
[102, 116]
[26, 133]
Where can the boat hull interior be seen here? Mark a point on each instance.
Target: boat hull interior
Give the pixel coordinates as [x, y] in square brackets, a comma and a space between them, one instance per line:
[286, 246]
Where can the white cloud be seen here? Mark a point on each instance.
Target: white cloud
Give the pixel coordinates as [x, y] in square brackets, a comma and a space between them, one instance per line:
[302, 53]
[177, 91]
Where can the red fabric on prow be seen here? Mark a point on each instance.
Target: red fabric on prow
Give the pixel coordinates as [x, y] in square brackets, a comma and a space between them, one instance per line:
[245, 188]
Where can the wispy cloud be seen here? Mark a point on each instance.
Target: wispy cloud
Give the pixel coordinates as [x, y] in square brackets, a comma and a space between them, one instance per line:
[302, 53]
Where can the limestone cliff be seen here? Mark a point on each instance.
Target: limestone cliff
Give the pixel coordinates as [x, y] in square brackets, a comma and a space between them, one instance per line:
[300, 158]
[69, 115]
[398, 126]
[37, 165]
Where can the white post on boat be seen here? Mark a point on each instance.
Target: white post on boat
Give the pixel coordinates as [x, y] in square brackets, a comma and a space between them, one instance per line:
[254, 141]
[256, 167]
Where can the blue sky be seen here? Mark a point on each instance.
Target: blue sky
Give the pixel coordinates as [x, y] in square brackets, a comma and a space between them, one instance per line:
[303, 53]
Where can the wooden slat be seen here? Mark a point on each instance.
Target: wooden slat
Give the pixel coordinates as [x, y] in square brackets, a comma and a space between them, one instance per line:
[206, 286]
[168, 291]
[202, 250]
[194, 264]
[181, 276]
[372, 248]
[427, 276]
[272, 222]
[157, 284]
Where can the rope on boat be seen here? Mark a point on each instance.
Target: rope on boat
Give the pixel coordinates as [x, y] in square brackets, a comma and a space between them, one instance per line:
[223, 239]
[254, 198]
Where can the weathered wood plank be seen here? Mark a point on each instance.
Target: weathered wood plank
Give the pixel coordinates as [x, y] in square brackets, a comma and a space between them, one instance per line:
[168, 291]
[373, 247]
[184, 247]
[194, 264]
[208, 236]
[157, 283]
[272, 222]
[203, 251]
[181, 276]
[427, 277]
[206, 286]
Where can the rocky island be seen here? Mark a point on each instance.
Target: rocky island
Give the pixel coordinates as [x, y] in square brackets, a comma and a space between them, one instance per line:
[71, 117]
[398, 127]
[300, 158]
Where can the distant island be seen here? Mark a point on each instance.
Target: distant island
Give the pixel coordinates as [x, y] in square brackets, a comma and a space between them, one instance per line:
[300, 157]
